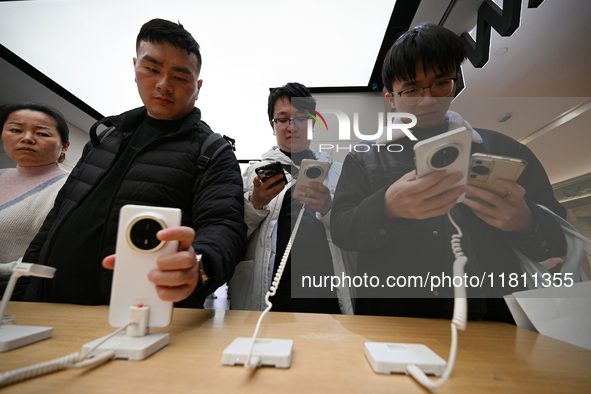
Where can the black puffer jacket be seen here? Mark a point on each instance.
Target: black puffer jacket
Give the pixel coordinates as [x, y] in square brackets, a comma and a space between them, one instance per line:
[164, 173]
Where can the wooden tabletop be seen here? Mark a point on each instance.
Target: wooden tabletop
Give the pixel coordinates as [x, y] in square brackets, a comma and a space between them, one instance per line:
[328, 354]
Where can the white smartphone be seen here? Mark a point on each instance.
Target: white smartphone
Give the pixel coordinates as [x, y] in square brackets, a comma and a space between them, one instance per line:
[311, 170]
[448, 151]
[136, 253]
[485, 169]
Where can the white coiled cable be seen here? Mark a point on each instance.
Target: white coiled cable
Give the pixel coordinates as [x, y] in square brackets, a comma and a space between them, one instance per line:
[253, 362]
[74, 360]
[458, 320]
[70, 361]
[32, 371]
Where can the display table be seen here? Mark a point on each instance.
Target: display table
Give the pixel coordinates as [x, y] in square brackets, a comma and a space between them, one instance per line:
[328, 354]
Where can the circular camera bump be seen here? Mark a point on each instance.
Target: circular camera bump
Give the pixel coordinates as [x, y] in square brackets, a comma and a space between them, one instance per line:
[444, 156]
[480, 170]
[313, 172]
[141, 234]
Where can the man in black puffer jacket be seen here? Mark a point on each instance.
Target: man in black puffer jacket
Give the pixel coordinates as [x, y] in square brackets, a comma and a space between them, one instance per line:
[155, 155]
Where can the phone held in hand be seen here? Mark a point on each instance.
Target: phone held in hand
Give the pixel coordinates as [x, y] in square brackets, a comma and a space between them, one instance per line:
[269, 171]
[448, 151]
[311, 170]
[137, 251]
[486, 169]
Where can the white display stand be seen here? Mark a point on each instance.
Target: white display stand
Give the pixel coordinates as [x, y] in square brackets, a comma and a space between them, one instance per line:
[130, 348]
[269, 352]
[12, 337]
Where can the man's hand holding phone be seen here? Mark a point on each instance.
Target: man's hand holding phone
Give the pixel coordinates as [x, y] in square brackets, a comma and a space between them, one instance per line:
[264, 191]
[509, 213]
[316, 196]
[178, 273]
[495, 196]
[310, 188]
[154, 263]
[438, 182]
[267, 184]
[421, 198]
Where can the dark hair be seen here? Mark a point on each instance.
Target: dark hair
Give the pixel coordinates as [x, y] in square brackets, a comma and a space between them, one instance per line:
[438, 48]
[289, 90]
[160, 31]
[62, 126]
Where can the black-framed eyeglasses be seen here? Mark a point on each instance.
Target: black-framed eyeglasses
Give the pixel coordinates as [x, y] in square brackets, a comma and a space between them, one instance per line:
[442, 88]
[283, 122]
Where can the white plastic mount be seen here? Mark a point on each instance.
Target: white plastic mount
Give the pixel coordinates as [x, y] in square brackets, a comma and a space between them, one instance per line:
[136, 343]
[269, 352]
[12, 337]
[131, 348]
[394, 357]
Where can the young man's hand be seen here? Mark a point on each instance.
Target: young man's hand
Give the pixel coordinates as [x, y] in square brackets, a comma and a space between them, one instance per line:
[177, 274]
[509, 213]
[422, 198]
[262, 194]
[316, 196]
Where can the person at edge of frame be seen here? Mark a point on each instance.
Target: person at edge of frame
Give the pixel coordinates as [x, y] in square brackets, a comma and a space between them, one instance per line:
[397, 222]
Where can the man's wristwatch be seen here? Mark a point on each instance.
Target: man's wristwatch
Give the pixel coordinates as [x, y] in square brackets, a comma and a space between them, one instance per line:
[202, 275]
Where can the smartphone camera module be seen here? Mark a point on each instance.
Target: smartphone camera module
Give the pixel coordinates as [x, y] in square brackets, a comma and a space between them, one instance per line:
[266, 174]
[314, 172]
[480, 170]
[444, 156]
[141, 234]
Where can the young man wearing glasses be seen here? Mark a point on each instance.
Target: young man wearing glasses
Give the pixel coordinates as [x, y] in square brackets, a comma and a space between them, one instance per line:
[271, 210]
[397, 222]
